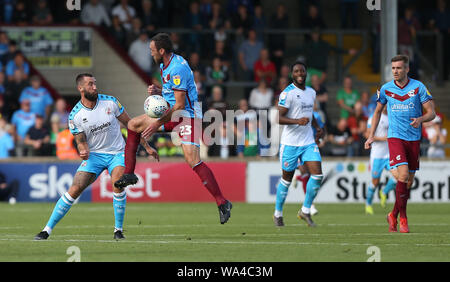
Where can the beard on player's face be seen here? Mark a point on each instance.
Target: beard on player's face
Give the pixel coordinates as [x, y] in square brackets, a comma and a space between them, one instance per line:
[91, 96]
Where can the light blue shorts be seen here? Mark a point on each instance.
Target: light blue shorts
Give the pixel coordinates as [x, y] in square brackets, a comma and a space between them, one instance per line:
[377, 167]
[291, 155]
[98, 162]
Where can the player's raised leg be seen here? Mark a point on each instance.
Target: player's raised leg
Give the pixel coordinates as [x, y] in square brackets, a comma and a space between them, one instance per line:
[135, 127]
[80, 182]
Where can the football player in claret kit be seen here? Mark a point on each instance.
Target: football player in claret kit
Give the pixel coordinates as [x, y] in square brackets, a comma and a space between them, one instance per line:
[180, 91]
[298, 143]
[404, 98]
[94, 122]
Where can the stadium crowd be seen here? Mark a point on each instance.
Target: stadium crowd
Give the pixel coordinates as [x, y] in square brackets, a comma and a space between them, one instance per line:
[32, 123]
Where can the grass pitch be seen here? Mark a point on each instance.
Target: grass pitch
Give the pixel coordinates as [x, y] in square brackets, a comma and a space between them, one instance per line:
[191, 232]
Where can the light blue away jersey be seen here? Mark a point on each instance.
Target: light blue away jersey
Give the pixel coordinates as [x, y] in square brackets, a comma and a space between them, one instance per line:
[404, 103]
[177, 75]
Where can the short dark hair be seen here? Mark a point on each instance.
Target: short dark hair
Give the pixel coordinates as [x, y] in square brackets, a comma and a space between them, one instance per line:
[81, 76]
[403, 58]
[163, 41]
[299, 63]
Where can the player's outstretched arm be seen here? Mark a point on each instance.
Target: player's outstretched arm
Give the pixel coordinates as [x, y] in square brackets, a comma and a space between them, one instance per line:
[375, 120]
[283, 120]
[82, 145]
[429, 115]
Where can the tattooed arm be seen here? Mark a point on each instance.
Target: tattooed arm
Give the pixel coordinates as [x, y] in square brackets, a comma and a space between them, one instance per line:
[82, 145]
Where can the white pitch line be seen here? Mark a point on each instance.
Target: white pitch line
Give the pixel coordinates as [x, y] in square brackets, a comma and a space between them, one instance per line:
[228, 242]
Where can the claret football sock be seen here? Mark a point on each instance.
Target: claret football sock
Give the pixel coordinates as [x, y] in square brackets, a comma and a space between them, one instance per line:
[304, 178]
[209, 181]
[62, 207]
[119, 204]
[401, 198]
[282, 192]
[131, 146]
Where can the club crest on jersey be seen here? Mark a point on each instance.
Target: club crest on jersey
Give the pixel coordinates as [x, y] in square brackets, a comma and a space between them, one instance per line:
[177, 80]
[412, 93]
[166, 78]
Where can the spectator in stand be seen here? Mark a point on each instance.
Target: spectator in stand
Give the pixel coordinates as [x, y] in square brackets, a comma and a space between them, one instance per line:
[321, 97]
[261, 97]
[222, 52]
[6, 139]
[60, 116]
[2, 84]
[205, 11]
[217, 73]
[222, 149]
[13, 90]
[242, 21]
[217, 100]
[201, 90]
[277, 42]
[313, 19]
[12, 51]
[283, 82]
[21, 16]
[42, 14]
[349, 9]
[65, 145]
[37, 139]
[8, 191]
[125, 12]
[95, 13]
[17, 63]
[249, 52]
[193, 20]
[178, 47]
[407, 29]
[259, 22]
[285, 71]
[365, 103]
[264, 68]
[246, 131]
[23, 119]
[440, 22]
[339, 139]
[196, 65]
[4, 43]
[217, 18]
[233, 6]
[139, 52]
[148, 16]
[117, 31]
[7, 11]
[134, 33]
[357, 123]
[40, 98]
[437, 135]
[316, 51]
[347, 98]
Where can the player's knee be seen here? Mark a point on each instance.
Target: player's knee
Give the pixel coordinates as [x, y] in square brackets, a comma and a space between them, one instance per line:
[133, 124]
[403, 177]
[375, 182]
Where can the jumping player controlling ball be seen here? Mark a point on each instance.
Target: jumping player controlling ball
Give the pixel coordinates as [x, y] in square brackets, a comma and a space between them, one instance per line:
[180, 92]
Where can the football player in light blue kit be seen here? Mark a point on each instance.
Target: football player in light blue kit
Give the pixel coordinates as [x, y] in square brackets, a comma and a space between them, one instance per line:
[298, 143]
[379, 161]
[94, 122]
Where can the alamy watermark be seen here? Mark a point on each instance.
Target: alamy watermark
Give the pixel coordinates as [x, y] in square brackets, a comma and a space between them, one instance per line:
[75, 254]
[73, 5]
[375, 254]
